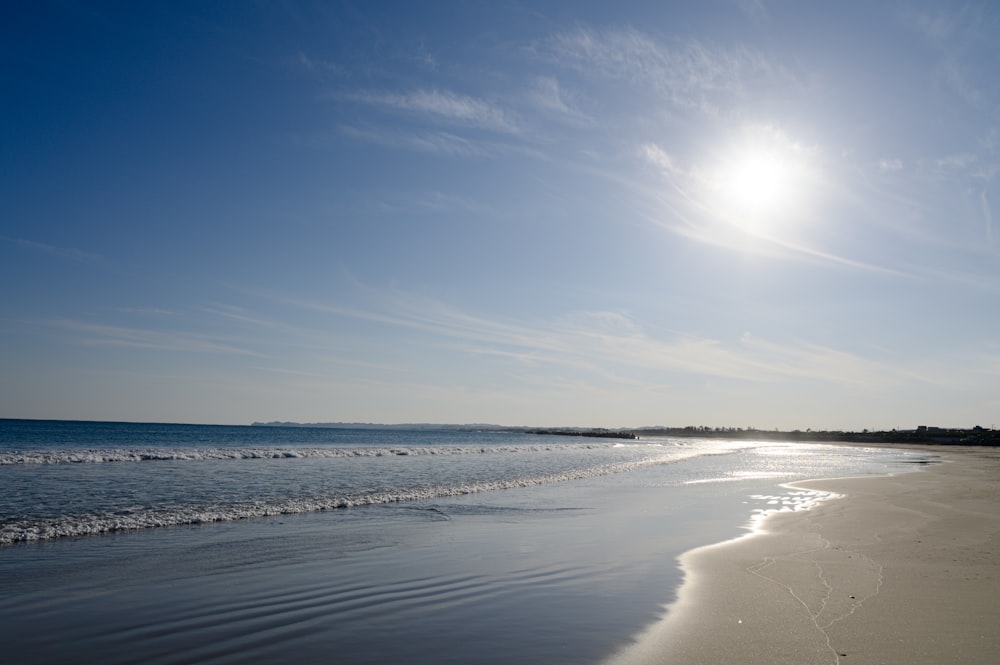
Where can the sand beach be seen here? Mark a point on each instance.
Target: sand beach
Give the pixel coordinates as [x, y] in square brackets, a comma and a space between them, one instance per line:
[899, 569]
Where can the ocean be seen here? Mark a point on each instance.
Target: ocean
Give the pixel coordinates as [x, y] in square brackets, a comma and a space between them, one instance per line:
[150, 543]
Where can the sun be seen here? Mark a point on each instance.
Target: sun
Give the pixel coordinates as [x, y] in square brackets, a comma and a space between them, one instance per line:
[758, 184]
[750, 187]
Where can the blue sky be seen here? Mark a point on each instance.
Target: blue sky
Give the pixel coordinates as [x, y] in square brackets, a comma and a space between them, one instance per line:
[740, 213]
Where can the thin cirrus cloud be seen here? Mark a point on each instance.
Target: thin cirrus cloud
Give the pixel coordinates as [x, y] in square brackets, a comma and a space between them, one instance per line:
[93, 334]
[444, 105]
[956, 34]
[71, 253]
[433, 142]
[606, 343]
[428, 202]
[320, 66]
[551, 97]
[691, 75]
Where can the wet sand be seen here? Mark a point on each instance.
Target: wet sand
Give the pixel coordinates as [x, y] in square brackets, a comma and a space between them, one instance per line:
[901, 569]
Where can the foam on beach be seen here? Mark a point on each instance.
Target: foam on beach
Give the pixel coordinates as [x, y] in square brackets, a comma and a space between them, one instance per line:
[27, 530]
[106, 455]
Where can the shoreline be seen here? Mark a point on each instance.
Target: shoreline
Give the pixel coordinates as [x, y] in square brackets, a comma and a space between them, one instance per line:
[897, 569]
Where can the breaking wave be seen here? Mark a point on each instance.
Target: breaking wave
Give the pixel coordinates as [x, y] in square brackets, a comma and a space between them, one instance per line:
[105, 455]
[70, 526]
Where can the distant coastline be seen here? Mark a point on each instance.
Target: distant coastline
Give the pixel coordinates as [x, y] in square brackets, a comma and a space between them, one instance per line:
[974, 436]
[938, 435]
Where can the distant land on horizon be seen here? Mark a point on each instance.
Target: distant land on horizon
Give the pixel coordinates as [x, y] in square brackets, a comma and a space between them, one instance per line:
[399, 426]
[976, 435]
[918, 434]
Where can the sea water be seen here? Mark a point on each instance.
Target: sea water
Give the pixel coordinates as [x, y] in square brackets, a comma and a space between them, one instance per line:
[140, 543]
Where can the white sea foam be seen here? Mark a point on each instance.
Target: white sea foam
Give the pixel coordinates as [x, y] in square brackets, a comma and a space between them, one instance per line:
[104, 455]
[44, 529]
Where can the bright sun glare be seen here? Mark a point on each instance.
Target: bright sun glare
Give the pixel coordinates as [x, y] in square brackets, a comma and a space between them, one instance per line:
[758, 184]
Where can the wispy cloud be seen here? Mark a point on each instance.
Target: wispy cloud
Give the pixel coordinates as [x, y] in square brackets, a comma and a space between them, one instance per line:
[552, 98]
[894, 164]
[940, 203]
[444, 105]
[440, 143]
[959, 35]
[954, 26]
[986, 207]
[146, 311]
[755, 10]
[318, 65]
[435, 202]
[808, 361]
[71, 253]
[293, 372]
[961, 39]
[690, 74]
[611, 344]
[96, 334]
